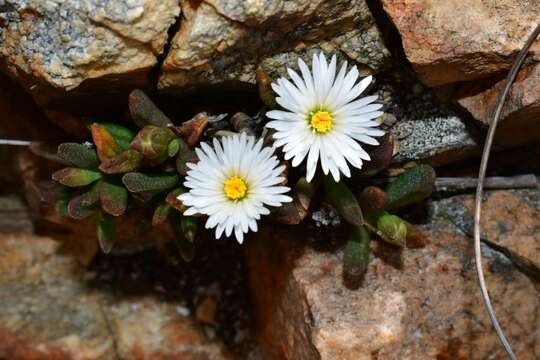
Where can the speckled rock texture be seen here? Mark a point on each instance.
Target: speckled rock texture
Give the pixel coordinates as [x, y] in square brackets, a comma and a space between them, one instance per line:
[223, 42]
[439, 140]
[58, 45]
[447, 42]
[425, 306]
[50, 310]
[521, 113]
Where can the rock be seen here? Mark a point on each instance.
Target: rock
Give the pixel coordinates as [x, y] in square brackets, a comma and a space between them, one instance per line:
[426, 307]
[222, 42]
[447, 43]
[519, 120]
[510, 222]
[51, 310]
[54, 47]
[439, 140]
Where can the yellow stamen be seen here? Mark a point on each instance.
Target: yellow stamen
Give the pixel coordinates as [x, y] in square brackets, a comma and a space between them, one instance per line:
[235, 188]
[321, 121]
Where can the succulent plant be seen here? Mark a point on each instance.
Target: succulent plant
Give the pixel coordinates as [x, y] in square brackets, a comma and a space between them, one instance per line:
[125, 169]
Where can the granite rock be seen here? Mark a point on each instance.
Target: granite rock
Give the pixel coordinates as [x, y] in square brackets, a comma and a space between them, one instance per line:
[437, 140]
[223, 42]
[50, 310]
[55, 46]
[510, 223]
[447, 42]
[520, 118]
[426, 306]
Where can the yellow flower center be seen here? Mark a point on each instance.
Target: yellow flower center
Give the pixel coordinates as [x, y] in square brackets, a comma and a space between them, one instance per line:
[235, 188]
[321, 121]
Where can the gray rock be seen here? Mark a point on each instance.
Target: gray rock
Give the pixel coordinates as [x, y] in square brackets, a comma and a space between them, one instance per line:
[223, 42]
[56, 44]
[438, 140]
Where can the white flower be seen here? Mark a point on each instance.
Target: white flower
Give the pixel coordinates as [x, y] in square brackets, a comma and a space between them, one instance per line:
[232, 183]
[322, 118]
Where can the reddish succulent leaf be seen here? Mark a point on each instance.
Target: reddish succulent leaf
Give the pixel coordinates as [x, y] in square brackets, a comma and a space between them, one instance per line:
[82, 206]
[113, 198]
[107, 147]
[172, 199]
[145, 112]
[128, 160]
[372, 199]
[192, 129]
[75, 177]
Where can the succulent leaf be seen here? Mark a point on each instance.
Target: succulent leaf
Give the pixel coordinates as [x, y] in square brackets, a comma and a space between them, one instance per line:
[106, 232]
[414, 185]
[145, 112]
[113, 198]
[82, 206]
[160, 214]
[75, 177]
[393, 229]
[121, 134]
[126, 161]
[174, 147]
[152, 142]
[186, 248]
[106, 146]
[264, 82]
[356, 257]
[138, 182]
[172, 199]
[344, 201]
[79, 155]
[192, 130]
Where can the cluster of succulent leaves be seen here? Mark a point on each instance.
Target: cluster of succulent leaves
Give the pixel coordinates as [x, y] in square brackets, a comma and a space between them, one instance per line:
[124, 169]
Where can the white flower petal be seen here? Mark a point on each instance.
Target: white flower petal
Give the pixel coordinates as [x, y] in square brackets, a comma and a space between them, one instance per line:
[354, 120]
[242, 157]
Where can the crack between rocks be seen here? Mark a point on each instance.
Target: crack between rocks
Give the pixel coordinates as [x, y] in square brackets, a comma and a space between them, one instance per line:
[110, 330]
[522, 264]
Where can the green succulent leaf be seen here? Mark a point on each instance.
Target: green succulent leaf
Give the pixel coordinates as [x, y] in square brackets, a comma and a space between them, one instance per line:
[126, 161]
[144, 112]
[393, 229]
[75, 177]
[185, 155]
[138, 182]
[113, 198]
[414, 185]
[121, 134]
[174, 146]
[106, 232]
[79, 155]
[356, 257]
[344, 201]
